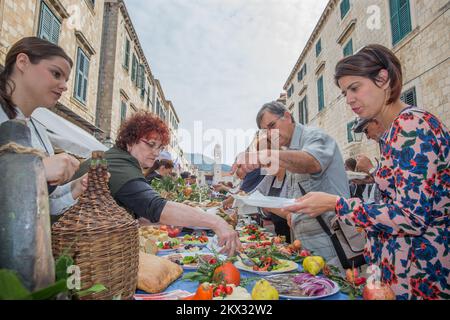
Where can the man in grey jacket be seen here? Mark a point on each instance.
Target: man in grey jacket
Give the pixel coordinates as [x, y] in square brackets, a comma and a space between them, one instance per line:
[313, 162]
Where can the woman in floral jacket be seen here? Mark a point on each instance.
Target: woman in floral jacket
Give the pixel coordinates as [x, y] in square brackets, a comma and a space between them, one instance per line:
[408, 232]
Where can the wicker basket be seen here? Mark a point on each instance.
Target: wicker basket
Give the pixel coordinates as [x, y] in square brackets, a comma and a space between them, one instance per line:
[101, 236]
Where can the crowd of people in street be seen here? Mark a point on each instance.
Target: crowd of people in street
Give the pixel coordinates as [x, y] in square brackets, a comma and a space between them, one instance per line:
[398, 216]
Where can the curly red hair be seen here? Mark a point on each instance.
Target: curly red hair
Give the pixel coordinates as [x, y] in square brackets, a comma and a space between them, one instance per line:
[142, 124]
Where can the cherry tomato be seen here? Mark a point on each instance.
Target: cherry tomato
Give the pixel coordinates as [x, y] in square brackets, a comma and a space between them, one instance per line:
[217, 293]
[229, 290]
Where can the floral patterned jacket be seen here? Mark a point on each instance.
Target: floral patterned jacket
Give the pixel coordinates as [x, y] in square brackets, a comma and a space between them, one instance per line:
[408, 232]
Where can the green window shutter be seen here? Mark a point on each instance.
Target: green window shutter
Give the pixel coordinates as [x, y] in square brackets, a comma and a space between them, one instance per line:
[318, 47]
[350, 137]
[141, 83]
[49, 27]
[86, 78]
[345, 7]
[400, 19]
[45, 29]
[123, 112]
[126, 61]
[302, 73]
[393, 6]
[134, 68]
[303, 109]
[405, 18]
[409, 97]
[348, 49]
[290, 91]
[138, 75]
[320, 93]
[82, 77]
[56, 28]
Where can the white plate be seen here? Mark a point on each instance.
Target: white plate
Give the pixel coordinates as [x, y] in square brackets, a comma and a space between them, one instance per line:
[289, 297]
[201, 245]
[245, 239]
[166, 251]
[292, 266]
[242, 228]
[257, 199]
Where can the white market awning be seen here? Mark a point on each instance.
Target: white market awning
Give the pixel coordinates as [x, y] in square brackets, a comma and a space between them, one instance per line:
[67, 136]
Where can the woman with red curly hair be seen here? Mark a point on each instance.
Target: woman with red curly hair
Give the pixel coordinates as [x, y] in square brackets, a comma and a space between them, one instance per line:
[140, 140]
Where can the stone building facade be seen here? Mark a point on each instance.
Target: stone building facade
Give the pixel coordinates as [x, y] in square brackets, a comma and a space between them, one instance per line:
[111, 77]
[72, 24]
[417, 32]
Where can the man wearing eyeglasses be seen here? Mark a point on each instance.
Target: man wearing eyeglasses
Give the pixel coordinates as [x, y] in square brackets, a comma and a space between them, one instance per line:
[370, 127]
[312, 161]
[373, 131]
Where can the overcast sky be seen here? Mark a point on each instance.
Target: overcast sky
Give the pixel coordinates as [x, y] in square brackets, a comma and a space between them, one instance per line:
[219, 61]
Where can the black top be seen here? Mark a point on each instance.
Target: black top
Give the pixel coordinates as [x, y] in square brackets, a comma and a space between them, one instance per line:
[153, 175]
[280, 224]
[128, 185]
[251, 180]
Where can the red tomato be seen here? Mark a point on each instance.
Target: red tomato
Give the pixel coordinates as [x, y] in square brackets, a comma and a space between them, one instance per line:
[229, 290]
[217, 292]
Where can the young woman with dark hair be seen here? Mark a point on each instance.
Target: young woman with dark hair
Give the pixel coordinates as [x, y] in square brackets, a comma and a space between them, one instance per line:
[408, 232]
[35, 75]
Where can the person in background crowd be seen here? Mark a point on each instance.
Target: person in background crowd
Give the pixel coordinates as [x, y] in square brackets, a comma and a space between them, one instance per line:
[185, 176]
[408, 231]
[372, 128]
[373, 131]
[248, 185]
[162, 168]
[139, 142]
[356, 190]
[35, 75]
[192, 180]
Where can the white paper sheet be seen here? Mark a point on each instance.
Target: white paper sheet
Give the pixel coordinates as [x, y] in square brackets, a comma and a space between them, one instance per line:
[257, 199]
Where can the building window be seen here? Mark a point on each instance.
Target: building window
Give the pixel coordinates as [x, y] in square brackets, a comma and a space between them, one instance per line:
[143, 90]
[320, 94]
[350, 135]
[126, 59]
[409, 97]
[303, 109]
[290, 91]
[49, 25]
[348, 48]
[345, 7]
[158, 108]
[149, 88]
[400, 19]
[140, 82]
[134, 67]
[318, 47]
[82, 77]
[302, 73]
[123, 111]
